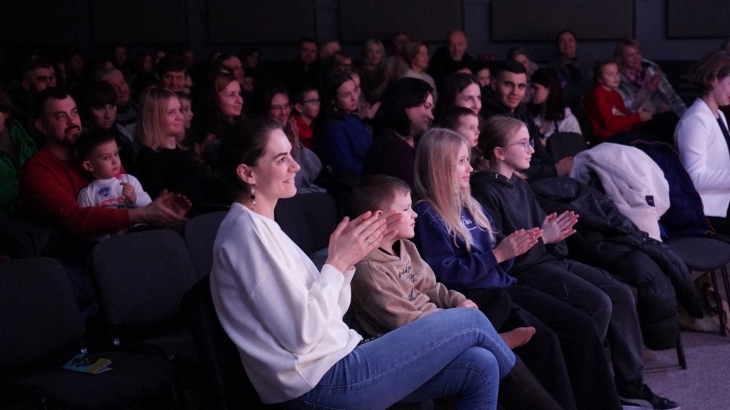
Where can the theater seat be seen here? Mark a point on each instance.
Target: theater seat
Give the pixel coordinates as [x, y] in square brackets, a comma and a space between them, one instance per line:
[42, 329]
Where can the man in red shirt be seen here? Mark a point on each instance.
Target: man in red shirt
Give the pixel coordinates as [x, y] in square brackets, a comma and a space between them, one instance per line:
[51, 180]
[49, 185]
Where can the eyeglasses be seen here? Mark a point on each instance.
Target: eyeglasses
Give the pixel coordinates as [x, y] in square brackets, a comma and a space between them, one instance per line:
[314, 101]
[283, 107]
[527, 145]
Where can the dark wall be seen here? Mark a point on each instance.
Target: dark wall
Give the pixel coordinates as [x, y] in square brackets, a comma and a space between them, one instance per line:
[275, 25]
[531, 20]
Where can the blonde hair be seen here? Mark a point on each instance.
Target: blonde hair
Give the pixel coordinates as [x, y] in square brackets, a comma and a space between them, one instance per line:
[151, 128]
[435, 182]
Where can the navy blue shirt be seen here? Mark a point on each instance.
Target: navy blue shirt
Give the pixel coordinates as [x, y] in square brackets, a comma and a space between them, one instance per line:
[345, 143]
[448, 257]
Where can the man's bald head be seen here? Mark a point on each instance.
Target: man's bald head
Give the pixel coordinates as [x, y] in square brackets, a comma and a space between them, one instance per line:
[457, 43]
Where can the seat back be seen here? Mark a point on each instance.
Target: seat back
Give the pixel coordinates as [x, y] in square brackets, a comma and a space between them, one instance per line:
[21, 239]
[142, 276]
[565, 144]
[308, 219]
[38, 312]
[227, 386]
[200, 233]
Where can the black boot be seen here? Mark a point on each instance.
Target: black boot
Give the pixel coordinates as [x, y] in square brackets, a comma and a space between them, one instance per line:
[519, 390]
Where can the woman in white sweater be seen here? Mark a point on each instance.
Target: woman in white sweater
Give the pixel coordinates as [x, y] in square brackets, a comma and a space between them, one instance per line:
[286, 317]
[702, 138]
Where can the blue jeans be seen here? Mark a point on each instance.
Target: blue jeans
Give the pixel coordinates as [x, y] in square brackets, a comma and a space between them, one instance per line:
[450, 352]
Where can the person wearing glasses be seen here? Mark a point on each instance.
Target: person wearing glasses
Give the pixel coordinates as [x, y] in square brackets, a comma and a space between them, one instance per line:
[508, 198]
[467, 252]
[306, 110]
[505, 97]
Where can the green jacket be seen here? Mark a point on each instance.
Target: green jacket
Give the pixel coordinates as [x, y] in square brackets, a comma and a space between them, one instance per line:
[25, 147]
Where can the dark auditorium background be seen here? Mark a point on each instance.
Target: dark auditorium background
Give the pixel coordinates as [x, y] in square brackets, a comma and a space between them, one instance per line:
[669, 30]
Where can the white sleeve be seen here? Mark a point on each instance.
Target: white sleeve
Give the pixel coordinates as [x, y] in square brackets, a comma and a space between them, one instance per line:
[85, 200]
[295, 313]
[346, 291]
[692, 134]
[143, 198]
[570, 123]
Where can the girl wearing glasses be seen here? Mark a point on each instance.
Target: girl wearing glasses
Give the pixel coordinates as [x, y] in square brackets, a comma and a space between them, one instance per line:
[507, 196]
[468, 252]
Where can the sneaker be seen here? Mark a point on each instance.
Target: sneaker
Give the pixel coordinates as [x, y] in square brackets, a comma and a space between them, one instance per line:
[640, 397]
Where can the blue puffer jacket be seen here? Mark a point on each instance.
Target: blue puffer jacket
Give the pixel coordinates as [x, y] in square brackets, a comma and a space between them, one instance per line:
[685, 216]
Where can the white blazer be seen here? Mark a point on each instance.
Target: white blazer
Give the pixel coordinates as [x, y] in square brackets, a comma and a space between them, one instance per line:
[705, 155]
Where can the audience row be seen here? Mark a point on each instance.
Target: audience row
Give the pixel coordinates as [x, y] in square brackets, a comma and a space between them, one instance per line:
[93, 159]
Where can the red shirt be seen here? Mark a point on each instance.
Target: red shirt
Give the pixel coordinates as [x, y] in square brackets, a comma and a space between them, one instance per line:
[608, 113]
[305, 131]
[49, 188]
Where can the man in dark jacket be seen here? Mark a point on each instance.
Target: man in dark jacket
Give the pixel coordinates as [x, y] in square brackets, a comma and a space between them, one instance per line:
[505, 97]
[304, 69]
[450, 58]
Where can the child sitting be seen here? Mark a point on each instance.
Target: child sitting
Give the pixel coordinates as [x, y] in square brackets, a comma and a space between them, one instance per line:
[605, 107]
[100, 156]
[306, 109]
[393, 285]
[187, 112]
[508, 198]
[466, 123]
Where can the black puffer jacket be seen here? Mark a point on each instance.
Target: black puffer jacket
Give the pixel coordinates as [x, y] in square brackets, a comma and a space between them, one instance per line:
[609, 240]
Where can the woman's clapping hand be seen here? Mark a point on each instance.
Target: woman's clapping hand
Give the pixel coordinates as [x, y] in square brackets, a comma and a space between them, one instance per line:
[353, 239]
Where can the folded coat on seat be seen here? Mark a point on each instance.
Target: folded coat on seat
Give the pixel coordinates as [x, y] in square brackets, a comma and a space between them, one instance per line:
[631, 179]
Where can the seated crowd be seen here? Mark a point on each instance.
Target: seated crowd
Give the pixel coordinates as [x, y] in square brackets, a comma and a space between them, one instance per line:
[432, 159]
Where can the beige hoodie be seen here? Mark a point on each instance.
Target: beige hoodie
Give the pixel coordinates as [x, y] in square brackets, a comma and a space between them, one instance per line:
[390, 291]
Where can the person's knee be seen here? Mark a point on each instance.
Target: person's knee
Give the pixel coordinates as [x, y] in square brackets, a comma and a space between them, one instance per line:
[601, 309]
[622, 296]
[466, 317]
[478, 368]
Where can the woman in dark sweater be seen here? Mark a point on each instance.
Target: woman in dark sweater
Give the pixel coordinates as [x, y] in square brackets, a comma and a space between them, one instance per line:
[162, 164]
[221, 107]
[404, 115]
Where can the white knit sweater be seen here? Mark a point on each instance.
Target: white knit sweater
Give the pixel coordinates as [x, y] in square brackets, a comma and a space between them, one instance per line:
[283, 315]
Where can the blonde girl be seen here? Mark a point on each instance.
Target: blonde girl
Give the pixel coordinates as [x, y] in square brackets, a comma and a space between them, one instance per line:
[457, 238]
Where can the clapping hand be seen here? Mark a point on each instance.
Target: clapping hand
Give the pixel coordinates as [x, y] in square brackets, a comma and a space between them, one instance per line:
[354, 239]
[556, 228]
[516, 243]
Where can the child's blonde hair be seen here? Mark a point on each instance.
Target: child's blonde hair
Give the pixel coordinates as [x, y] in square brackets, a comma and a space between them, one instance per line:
[151, 128]
[435, 182]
